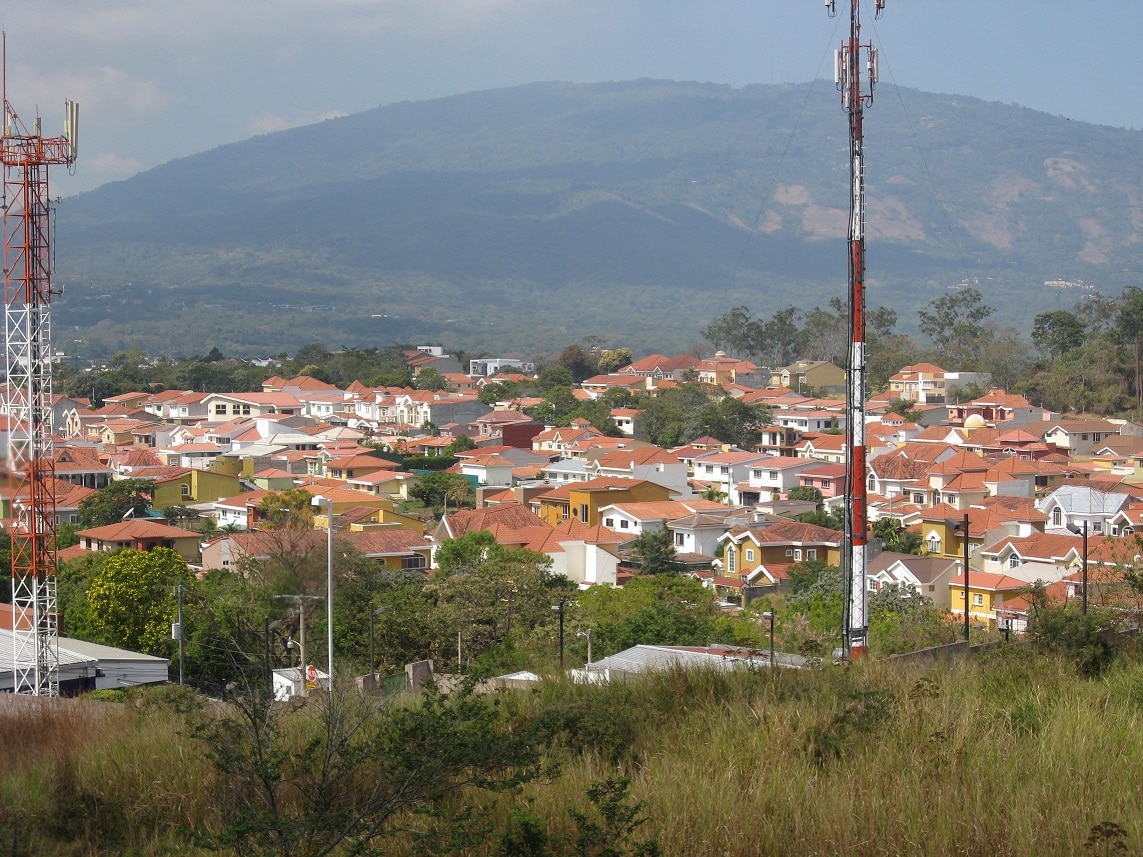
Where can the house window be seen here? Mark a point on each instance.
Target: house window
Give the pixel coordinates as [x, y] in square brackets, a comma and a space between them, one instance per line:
[583, 512]
[977, 600]
[245, 410]
[415, 561]
[609, 522]
[1057, 517]
[812, 553]
[797, 554]
[918, 498]
[679, 540]
[623, 525]
[1013, 561]
[789, 551]
[730, 554]
[724, 470]
[220, 410]
[1097, 526]
[750, 555]
[932, 587]
[73, 519]
[185, 489]
[772, 474]
[934, 542]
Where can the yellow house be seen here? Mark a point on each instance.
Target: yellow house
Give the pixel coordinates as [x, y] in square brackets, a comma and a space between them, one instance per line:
[941, 528]
[364, 519]
[808, 373]
[356, 511]
[762, 554]
[582, 501]
[185, 486]
[986, 592]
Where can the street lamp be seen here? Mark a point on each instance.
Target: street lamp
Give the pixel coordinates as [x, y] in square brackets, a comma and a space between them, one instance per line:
[328, 503]
[769, 614]
[580, 635]
[372, 659]
[559, 608]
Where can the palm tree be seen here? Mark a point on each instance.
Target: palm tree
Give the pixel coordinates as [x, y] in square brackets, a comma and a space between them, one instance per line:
[713, 492]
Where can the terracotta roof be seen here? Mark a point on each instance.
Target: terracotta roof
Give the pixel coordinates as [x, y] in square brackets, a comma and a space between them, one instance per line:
[135, 528]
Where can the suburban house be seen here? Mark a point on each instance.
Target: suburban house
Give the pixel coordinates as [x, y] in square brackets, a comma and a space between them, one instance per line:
[651, 463]
[221, 407]
[726, 471]
[582, 501]
[771, 478]
[987, 593]
[141, 535]
[634, 519]
[808, 373]
[1078, 436]
[927, 575]
[1069, 507]
[487, 366]
[395, 548]
[762, 554]
[1040, 556]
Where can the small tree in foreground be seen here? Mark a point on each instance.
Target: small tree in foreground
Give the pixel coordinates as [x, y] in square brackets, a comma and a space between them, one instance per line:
[336, 776]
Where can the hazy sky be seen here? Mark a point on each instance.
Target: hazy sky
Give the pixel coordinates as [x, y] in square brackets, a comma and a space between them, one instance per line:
[161, 79]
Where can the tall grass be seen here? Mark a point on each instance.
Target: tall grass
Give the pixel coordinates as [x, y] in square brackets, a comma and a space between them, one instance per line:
[83, 777]
[1012, 755]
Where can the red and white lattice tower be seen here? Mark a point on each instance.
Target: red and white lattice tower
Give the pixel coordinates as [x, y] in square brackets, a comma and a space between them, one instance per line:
[855, 97]
[26, 156]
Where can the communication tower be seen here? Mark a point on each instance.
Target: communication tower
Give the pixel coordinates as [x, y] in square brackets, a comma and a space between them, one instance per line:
[27, 394]
[855, 97]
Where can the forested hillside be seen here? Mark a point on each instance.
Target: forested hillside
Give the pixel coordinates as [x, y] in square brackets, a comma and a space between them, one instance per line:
[635, 212]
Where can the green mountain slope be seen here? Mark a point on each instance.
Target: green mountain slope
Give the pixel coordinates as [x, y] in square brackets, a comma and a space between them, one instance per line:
[525, 218]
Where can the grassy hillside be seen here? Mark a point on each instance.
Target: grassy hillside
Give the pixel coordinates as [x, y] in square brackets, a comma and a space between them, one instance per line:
[1012, 754]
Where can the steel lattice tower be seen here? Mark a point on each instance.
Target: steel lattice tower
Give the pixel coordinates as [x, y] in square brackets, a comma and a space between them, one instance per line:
[26, 156]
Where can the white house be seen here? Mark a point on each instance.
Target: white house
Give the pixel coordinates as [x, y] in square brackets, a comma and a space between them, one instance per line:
[1070, 506]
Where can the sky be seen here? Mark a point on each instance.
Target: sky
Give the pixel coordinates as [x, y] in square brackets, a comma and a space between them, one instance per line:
[163, 79]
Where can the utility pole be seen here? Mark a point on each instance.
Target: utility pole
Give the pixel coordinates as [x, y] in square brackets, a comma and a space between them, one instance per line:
[179, 594]
[854, 97]
[299, 601]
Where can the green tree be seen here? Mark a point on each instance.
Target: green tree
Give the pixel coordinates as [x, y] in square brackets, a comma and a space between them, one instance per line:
[123, 498]
[579, 362]
[440, 488]
[611, 359]
[661, 609]
[805, 492]
[654, 552]
[1057, 332]
[955, 322]
[737, 331]
[1129, 328]
[895, 537]
[291, 509]
[132, 599]
[430, 379]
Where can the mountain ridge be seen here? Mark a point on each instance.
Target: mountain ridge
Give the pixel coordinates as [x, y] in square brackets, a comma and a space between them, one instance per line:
[527, 217]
